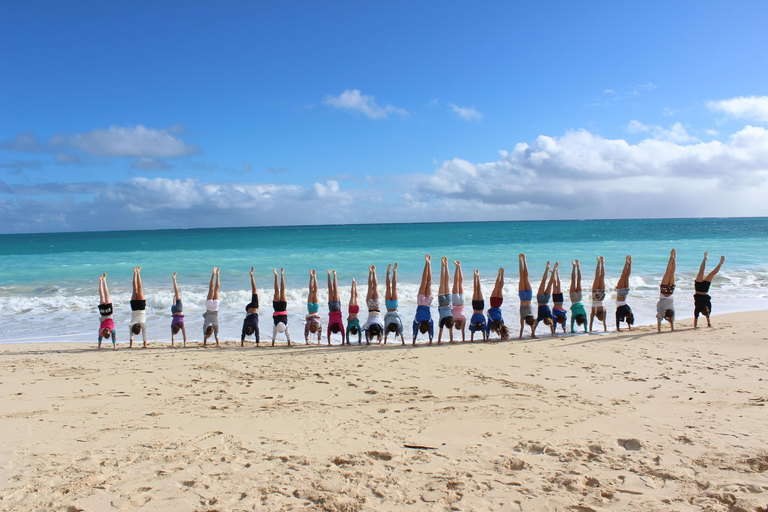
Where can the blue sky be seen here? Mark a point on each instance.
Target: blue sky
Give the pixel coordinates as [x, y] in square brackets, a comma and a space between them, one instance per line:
[142, 115]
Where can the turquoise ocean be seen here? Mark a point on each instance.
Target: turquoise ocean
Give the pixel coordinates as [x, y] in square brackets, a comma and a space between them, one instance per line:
[49, 286]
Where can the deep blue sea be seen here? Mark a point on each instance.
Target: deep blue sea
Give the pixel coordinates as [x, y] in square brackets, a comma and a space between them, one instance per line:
[49, 286]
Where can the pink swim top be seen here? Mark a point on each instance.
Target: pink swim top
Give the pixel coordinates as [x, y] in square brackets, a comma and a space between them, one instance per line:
[458, 314]
[107, 323]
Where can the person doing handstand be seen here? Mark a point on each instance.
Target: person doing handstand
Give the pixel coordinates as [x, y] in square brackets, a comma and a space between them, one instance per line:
[335, 321]
[665, 307]
[623, 311]
[280, 307]
[542, 299]
[211, 315]
[106, 324]
[444, 306]
[138, 309]
[495, 320]
[525, 292]
[578, 313]
[558, 311]
[353, 320]
[392, 321]
[598, 295]
[177, 312]
[702, 302]
[374, 326]
[312, 322]
[251, 321]
[477, 321]
[422, 322]
[457, 299]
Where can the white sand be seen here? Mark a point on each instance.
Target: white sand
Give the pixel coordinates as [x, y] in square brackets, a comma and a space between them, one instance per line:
[625, 421]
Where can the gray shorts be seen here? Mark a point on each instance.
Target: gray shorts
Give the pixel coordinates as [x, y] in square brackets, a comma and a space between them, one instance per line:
[444, 300]
[526, 310]
[575, 297]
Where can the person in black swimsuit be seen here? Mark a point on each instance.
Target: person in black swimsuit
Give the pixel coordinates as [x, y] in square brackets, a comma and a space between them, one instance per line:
[702, 302]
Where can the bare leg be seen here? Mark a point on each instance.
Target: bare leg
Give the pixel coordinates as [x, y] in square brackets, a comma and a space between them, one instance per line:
[388, 292]
[702, 268]
[176, 294]
[624, 279]
[216, 288]
[282, 285]
[556, 283]
[525, 284]
[596, 281]
[426, 277]
[103, 292]
[211, 284]
[498, 287]
[445, 277]
[394, 283]
[373, 283]
[353, 294]
[714, 272]
[277, 288]
[552, 279]
[253, 284]
[336, 297]
[543, 283]
[669, 274]
[458, 279]
[477, 292]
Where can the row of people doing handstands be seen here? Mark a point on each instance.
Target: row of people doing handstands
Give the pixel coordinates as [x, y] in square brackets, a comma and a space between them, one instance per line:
[450, 305]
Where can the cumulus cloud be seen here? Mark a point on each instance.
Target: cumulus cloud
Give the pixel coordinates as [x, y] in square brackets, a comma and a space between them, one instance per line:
[466, 113]
[127, 142]
[675, 133]
[26, 142]
[151, 164]
[68, 159]
[753, 108]
[587, 176]
[352, 99]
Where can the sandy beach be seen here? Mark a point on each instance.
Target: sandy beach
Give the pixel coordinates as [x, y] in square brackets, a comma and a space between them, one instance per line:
[624, 421]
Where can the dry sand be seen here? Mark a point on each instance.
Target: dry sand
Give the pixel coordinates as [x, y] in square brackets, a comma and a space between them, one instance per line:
[625, 421]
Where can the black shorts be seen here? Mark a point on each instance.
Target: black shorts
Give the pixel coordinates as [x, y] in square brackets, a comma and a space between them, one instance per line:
[138, 305]
[105, 309]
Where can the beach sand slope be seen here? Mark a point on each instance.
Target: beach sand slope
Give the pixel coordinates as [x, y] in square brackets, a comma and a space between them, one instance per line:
[626, 421]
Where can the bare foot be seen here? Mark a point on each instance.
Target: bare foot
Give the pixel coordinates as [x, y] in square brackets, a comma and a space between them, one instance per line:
[389, 268]
[174, 274]
[705, 255]
[722, 259]
[555, 267]
[457, 263]
[629, 258]
[444, 260]
[251, 271]
[428, 258]
[395, 267]
[673, 253]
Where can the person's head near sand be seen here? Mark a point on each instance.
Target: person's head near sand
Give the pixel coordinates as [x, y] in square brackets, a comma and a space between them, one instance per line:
[702, 302]
[106, 324]
[665, 307]
[525, 292]
[211, 315]
[495, 320]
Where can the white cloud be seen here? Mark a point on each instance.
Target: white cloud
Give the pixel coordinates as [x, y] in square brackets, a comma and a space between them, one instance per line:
[68, 158]
[128, 142]
[151, 164]
[743, 107]
[466, 113]
[675, 133]
[582, 175]
[351, 99]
